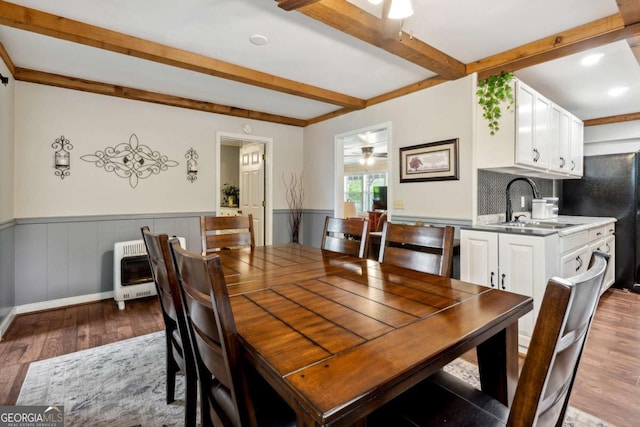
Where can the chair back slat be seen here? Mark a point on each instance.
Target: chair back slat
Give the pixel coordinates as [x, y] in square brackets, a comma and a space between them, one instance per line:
[428, 249]
[226, 232]
[565, 316]
[347, 236]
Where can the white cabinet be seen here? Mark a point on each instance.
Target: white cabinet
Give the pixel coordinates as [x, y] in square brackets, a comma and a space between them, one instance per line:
[536, 138]
[577, 147]
[509, 262]
[524, 263]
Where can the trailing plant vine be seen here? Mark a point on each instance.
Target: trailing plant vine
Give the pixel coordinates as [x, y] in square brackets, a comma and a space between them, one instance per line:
[491, 92]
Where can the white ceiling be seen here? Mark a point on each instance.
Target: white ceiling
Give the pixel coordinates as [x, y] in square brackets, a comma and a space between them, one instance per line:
[307, 51]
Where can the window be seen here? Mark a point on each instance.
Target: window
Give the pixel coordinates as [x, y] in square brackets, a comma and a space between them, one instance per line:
[358, 188]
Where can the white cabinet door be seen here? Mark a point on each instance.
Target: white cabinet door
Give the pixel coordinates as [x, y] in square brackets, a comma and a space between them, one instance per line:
[607, 245]
[532, 127]
[559, 140]
[522, 268]
[577, 147]
[479, 257]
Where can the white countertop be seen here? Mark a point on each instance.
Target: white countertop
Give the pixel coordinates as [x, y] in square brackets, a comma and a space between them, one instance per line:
[581, 223]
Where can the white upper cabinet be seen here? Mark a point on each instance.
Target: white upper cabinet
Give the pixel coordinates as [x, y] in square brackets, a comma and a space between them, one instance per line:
[536, 138]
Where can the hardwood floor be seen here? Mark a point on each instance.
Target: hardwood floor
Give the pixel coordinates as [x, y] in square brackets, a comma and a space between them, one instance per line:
[53, 333]
[607, 386]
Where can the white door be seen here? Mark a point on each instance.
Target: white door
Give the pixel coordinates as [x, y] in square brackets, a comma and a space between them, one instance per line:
[252, 186]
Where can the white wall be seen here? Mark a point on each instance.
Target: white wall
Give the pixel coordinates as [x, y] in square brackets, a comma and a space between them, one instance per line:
[7, 96]
[93, 122]
[621, 137]
[439, 113]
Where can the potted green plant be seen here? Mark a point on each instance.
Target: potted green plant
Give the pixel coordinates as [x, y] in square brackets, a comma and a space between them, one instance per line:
[492, 92]
[231, 193]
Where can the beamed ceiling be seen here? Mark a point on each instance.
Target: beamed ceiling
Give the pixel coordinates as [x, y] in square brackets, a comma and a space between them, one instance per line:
[324, 58]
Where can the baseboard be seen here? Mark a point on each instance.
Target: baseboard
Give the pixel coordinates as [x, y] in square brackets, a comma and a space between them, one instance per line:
[6, 322]
[62, 302]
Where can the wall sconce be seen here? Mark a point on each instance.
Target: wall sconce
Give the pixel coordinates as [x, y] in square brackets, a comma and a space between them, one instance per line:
[62, 157]
[4, 80]
[192, 165]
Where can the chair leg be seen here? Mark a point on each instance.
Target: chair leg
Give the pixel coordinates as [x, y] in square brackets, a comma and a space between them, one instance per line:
[172, 370]
[191, 400]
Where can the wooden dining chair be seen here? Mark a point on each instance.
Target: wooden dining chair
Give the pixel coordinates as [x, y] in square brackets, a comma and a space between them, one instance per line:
[226, 232]
[547, 377]
[347, 236]
[230, 393]
[179, 356]
[424, 248]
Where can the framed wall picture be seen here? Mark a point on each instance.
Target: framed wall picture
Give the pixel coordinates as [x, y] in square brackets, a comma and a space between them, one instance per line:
[433, 161]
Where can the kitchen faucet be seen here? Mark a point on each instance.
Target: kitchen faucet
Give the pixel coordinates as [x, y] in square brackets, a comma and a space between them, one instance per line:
[534, 190]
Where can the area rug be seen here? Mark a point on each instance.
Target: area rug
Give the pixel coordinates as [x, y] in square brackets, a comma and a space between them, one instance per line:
[123, 385]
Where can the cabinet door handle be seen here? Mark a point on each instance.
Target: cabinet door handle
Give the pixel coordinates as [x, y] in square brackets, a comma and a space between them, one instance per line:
[608, 247]
[492, 284]
[599, 233]
[562, 162]
[537, 155]
[502, 281]
[573, 165]
[579, 262]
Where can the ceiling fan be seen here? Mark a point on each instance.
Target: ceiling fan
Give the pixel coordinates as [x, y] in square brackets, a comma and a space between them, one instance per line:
[367, 155]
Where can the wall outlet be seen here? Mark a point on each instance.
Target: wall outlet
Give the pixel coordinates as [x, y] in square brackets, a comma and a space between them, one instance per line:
[398, 204]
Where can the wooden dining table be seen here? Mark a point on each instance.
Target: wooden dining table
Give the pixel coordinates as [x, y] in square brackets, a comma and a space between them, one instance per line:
[337, 336]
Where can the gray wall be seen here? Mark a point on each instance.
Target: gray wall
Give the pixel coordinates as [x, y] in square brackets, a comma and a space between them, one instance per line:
[45, 259]
[67, 257]
[7, 269]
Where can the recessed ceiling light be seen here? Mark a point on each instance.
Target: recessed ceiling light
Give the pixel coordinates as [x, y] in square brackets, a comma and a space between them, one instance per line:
[617, 91]
[258, 39]
[591, 59]
[375, 1]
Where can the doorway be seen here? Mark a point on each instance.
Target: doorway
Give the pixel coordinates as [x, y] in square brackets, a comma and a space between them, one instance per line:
[362, 162]
[244, 161]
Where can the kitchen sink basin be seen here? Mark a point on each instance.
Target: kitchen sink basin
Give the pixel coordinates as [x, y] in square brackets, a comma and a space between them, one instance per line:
[532, 225]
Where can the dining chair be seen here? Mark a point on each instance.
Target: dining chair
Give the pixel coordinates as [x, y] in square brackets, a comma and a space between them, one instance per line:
[227, 385]
[179, 355]
[547, 377]
[423, 248]
[225, 232]
[347, 236]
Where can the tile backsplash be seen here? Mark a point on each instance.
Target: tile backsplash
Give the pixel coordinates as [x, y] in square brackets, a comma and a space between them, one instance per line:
[492, 187]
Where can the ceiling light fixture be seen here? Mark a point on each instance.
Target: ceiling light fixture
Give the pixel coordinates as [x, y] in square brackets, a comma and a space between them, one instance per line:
[367, 156]
[617, 91]
[400, 9]
[590, 60]
[258, 39]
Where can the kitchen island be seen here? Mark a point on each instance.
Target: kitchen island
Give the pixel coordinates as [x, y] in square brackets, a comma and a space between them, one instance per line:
[522, 258]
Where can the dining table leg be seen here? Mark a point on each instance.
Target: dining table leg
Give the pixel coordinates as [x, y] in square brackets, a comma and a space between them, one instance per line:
[498, 364]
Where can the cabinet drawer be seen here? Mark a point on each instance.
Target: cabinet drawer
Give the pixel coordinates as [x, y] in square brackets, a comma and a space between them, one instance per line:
[610, 229]
[574, 240]
[597, 233]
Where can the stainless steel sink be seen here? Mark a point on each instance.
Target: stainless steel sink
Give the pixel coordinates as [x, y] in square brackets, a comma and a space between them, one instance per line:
[532, 225]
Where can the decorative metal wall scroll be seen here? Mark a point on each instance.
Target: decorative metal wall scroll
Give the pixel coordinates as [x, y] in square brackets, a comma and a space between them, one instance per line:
[192, 165]
[62, 156]
[133, 161]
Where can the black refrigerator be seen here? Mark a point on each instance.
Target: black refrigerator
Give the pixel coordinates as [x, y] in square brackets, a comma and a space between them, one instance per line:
[611, 187]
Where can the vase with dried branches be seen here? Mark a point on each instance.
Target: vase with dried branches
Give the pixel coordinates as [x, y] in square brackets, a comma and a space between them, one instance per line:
[294, 192]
